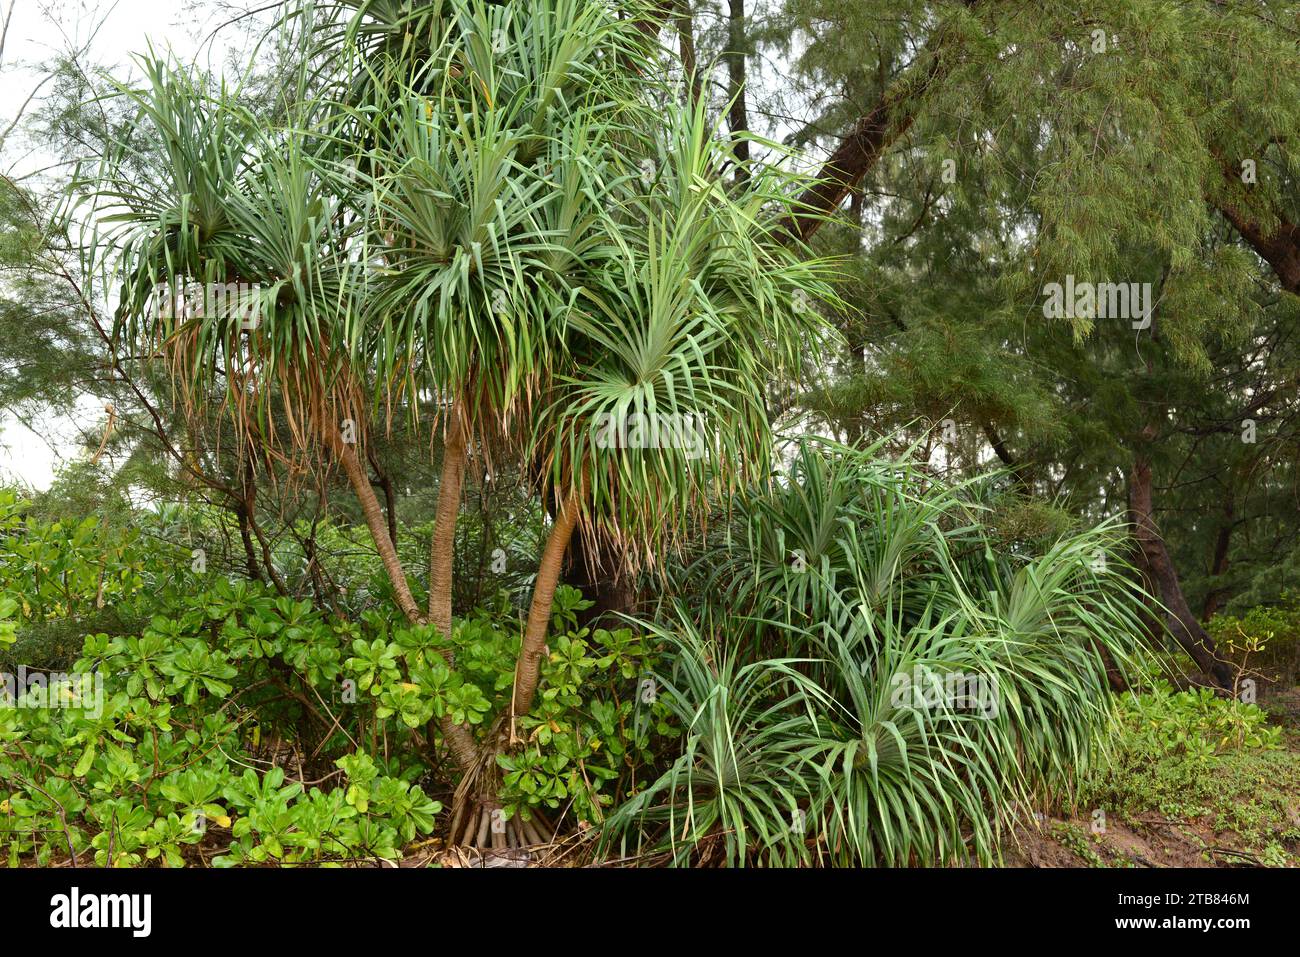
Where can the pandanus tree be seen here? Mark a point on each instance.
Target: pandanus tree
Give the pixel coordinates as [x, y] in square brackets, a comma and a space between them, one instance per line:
[671, 351]
[484, 161]
[499, 221]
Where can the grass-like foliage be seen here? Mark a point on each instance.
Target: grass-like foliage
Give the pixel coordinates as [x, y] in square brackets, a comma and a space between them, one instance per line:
[907, 687]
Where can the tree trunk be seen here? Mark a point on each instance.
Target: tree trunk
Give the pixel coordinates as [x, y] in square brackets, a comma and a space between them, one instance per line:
[594, 566]
[1279, 247]
[390, 496]
[1178, 617]
[872, 134]
[250, 513]
[686, 40]
[460, 740]
[1014, 465]
[539, 612]
[375, 521]
[245, 536]
[737, 114]
[442, 548]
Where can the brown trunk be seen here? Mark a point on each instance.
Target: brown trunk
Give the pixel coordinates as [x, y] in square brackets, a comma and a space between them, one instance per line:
[539, 613]
[1016, 467]
[737, 114]
[1277, 244]
[594, 565]
[250, 513]
[318, 587]
[443, 545]
[245, 536]
[460, 741]
[390, 496]
[686, 39]
[1178, 617]
[378, 526]
[872, 134]
[459, 738]
[1279, 247]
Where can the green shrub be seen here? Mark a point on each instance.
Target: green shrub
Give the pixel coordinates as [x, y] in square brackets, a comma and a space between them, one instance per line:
[62, 579]
[738, 790]
[1196, 722]
[1265, 640]
[1200, 758]
[592, 726]
[237, 725]
[142, 750]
